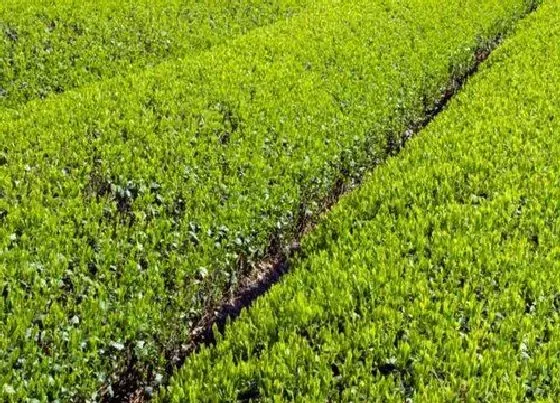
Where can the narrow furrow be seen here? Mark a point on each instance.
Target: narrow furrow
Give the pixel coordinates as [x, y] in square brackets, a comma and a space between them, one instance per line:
[276, 264]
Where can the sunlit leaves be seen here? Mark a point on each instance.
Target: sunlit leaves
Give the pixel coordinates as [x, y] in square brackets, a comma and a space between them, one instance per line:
[131, 205]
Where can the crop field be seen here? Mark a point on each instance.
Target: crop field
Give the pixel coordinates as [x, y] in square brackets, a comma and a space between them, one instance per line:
[159, 158]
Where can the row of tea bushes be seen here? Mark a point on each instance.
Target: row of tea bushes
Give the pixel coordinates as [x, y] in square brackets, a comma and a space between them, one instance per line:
[50, 47]
[439, 279]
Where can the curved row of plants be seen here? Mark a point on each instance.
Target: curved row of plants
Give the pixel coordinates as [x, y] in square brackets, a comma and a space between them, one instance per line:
[437, 280]
[129, 207]
[50, 47]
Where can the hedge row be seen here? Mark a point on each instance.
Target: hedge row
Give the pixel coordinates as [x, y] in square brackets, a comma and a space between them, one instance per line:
[50, 47]
[128, 207]
[438, 280]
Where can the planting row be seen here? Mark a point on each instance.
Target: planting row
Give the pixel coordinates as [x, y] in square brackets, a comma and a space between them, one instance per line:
[437, 280]
[128, 207]
[50, 47]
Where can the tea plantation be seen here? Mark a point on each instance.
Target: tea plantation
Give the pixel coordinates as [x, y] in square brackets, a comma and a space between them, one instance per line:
[154, 156]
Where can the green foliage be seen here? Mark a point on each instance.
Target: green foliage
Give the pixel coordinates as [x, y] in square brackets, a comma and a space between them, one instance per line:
[50, 47]
[438, 279]
[129, 205]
